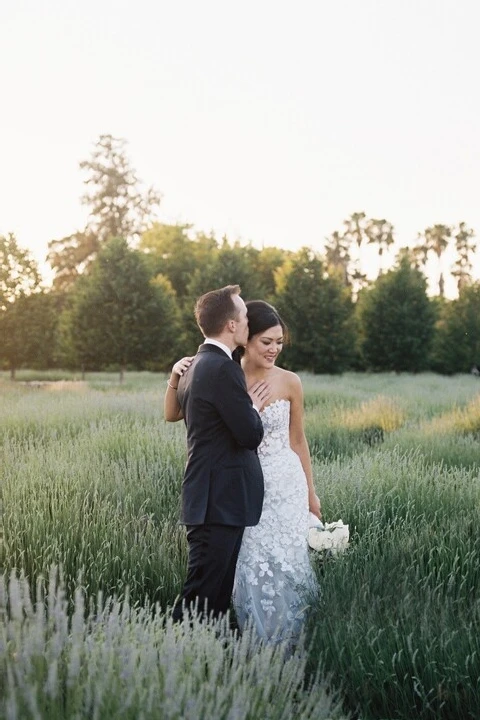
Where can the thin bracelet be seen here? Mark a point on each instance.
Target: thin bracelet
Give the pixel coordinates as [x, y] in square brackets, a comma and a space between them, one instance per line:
[172, 386]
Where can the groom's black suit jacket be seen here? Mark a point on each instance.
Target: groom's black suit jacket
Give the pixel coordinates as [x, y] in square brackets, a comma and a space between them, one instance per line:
[223, 482]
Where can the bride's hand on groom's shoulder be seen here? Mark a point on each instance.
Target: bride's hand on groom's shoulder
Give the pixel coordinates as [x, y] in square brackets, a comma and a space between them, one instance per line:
[182, 365]
[260, 393]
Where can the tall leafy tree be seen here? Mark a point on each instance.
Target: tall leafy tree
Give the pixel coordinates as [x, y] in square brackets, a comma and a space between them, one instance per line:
[19, 272]
[195, 262]
[118, 207]
[19, 278]
[118, 316]
[230, 264]
[318, 310]
[396, 320]
[267, 263]
[175, 252]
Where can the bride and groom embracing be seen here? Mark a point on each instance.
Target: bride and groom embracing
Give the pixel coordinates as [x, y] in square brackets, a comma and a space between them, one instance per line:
[248, 486]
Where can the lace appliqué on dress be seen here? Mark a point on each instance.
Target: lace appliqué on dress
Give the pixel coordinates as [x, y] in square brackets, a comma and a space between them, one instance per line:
[274, 573]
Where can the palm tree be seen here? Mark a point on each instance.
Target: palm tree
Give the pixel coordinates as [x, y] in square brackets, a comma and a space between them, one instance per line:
[418, 254]
[355, 228]
[337, 256]
[436, 240]
[464, 246]
[355, 234]
[380, 232]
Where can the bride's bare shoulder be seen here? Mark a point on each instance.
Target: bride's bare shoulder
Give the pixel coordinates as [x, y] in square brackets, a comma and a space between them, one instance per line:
[288, 374]
[289, 380]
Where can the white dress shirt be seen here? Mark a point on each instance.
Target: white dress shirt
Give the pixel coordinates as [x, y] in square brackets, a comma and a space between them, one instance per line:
[211, 341]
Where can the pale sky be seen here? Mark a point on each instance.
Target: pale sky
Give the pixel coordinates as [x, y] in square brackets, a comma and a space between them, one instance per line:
[267, 120]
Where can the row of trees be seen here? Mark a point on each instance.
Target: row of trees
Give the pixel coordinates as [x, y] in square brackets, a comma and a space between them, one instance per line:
[124, 313]
[125, 286]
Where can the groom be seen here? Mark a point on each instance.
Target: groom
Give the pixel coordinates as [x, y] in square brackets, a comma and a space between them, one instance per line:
[222, 490]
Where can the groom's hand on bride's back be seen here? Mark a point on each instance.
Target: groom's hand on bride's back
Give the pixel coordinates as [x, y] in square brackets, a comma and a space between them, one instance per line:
[260, 393]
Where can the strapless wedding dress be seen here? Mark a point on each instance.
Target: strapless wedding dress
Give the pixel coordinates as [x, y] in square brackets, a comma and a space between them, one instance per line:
[274, 580]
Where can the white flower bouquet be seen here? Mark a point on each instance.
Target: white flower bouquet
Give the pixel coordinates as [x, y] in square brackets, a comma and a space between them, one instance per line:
[331, 538]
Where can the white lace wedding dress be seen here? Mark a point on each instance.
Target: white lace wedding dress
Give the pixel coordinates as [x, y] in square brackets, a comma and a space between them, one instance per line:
[274, 577]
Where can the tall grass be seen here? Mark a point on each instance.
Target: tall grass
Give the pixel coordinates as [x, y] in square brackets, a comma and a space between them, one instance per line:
[91, 481]
[451, 437]
[95, 490]
[459, 420]
[346, 414]
[399, 621]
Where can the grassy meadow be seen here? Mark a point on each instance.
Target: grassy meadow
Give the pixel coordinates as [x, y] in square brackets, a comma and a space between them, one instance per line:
[92, 558]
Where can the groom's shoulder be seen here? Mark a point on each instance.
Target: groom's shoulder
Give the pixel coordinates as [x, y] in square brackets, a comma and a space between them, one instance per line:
[212, 354]
[214, 360]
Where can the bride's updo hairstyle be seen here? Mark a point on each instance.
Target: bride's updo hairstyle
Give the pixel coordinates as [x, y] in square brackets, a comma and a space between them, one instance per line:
[261, 317]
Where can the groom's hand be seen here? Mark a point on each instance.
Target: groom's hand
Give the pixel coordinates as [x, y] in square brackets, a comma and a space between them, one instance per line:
[260, 392]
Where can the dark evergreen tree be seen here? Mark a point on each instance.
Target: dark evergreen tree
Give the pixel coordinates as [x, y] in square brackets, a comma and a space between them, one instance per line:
[228, 265]
[28, 329]
[318, 311]
[119, 316]
[231, 265]
[456, 347]
[395, 320]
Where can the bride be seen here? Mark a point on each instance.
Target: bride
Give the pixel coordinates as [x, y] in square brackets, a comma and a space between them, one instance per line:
[273, 573]
[273, 569]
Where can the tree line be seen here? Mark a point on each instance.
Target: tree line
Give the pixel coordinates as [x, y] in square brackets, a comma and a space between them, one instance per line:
[125, 286]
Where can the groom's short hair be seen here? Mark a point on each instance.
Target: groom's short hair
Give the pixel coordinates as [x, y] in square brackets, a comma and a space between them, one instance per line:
[215, 308]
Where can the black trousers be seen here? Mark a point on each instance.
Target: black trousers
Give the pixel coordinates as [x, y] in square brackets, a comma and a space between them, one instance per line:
[212, 559]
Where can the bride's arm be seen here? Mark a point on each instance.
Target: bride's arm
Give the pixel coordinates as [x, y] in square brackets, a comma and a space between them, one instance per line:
[171, 407]
[298, 441]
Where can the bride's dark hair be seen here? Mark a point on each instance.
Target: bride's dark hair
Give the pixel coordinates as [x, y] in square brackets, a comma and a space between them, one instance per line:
[261, 316]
